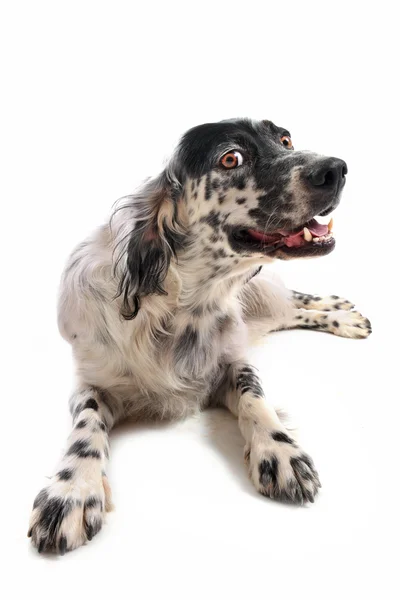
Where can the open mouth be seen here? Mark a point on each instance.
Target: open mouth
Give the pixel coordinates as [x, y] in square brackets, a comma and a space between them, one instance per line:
[310, 239]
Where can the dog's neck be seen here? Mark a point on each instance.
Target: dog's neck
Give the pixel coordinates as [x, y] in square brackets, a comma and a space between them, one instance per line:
[208, 281]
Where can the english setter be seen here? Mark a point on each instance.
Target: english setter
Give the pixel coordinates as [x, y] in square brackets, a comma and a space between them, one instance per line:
[161, 303]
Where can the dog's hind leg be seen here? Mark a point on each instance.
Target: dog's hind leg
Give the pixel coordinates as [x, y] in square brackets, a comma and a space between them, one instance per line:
[71, 508]
[269, 307]
[325, 303]
[343, 323]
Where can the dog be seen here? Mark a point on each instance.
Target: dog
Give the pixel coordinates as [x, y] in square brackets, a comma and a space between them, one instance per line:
[161, 304]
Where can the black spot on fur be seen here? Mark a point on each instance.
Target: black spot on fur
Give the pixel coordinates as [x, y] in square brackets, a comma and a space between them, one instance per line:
[335, 323]
[65, 474]
[91, 403]
[213, 219]
[187, 342]
[248, 381]
[216, 183]
[281, 436]
[62, 545]
[221, 253]
[52, 514]
[92, 502]
[82, 449]
[240, 200]
[258, 215]
[239, 181]
[268, 470]
[81, 424]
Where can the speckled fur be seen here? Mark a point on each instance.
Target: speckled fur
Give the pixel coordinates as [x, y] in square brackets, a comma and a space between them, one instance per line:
[160, 307]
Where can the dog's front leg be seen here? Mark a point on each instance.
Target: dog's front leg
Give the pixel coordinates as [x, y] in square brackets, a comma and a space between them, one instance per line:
[278, 467]
[71, 508]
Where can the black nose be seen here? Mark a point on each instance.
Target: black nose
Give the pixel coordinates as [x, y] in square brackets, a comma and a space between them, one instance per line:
[328, 173]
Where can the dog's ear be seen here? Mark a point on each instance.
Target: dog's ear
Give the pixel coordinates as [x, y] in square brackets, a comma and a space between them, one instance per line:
[154, 240]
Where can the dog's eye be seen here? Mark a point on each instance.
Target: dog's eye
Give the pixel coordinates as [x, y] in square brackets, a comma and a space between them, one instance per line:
[231, 160]
[286, 141]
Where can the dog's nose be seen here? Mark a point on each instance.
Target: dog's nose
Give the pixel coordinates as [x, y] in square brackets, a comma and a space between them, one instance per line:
[328, 173]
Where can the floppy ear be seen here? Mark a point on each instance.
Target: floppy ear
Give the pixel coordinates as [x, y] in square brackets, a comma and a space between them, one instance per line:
[156, 236]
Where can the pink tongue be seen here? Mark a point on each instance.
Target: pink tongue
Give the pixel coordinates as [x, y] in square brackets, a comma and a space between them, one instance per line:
[291, 238]
[297, 239]
[317, 229]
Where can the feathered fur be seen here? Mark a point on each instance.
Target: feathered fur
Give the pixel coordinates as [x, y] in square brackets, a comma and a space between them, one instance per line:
[161, 304]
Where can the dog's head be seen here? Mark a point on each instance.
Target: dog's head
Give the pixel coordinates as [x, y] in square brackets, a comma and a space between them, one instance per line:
[236, 190]
[261, 193]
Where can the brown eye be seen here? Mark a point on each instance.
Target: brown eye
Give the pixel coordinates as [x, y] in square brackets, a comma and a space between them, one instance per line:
[231, 160]
[286, 141]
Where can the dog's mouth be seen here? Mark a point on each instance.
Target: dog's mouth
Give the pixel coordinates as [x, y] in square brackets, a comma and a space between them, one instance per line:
[310, 239]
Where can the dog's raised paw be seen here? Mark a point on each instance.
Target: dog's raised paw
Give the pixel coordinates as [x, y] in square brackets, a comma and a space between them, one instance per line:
[281, 470]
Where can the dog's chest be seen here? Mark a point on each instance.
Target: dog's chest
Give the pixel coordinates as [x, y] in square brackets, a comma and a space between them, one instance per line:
[200, 347]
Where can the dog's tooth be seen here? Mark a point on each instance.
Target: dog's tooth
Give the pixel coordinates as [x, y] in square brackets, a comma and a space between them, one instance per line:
[315, 239]
[307, 234]
[330, 225]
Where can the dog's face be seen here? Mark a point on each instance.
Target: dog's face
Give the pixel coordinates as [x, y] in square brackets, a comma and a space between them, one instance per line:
[246, 181]
[234, 192]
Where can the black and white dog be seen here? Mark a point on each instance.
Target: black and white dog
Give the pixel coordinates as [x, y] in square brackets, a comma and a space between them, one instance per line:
[161, 304]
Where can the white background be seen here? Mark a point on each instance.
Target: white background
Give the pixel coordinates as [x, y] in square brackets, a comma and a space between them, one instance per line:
[94, 96]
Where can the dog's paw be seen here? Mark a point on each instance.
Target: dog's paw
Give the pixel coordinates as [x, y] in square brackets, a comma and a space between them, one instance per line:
[349, 324]
[68, 512]
[281, 470]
